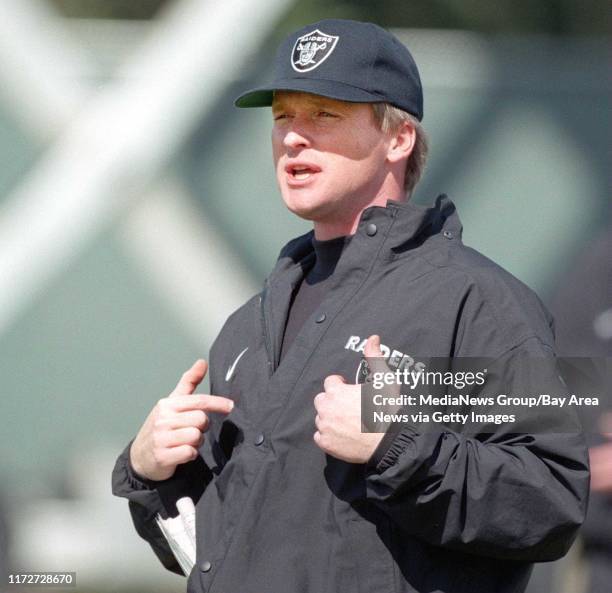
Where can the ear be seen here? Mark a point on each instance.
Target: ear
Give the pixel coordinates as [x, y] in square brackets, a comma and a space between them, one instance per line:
[401, 143]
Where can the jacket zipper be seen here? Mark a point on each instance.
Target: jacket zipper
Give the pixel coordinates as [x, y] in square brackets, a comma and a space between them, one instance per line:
[266, 333]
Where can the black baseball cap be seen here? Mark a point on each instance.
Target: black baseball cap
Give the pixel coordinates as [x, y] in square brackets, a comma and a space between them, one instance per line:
[345, 60]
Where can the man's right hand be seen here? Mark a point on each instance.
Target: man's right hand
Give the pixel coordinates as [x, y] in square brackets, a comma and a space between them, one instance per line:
[174, 430]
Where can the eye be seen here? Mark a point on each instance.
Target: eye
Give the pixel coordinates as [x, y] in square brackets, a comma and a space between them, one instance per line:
[326, 114]
[280, 116]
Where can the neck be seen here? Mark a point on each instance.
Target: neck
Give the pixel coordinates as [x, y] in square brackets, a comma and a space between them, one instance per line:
[347, 222]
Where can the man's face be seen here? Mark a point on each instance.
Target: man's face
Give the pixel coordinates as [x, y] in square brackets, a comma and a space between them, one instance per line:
[329, 155]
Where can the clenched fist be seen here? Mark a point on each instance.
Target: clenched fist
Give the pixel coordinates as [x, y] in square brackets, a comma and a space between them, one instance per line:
[175, 428]
[338, 418]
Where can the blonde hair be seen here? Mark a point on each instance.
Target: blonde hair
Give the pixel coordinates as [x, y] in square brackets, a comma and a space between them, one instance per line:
[391, 119]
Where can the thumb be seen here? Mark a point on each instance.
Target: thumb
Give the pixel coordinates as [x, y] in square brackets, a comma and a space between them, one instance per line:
[191, 378]
[372, 347]
[377, 363]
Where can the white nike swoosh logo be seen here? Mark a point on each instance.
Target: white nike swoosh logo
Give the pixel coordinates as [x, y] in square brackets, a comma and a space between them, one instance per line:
[230, 371]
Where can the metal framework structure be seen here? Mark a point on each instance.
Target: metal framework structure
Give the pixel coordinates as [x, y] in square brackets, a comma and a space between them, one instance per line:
[109, 145]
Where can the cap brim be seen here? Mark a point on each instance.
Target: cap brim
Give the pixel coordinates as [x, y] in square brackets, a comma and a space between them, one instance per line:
[262, 96]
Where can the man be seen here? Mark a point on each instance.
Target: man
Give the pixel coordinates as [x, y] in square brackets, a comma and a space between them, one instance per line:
[291, 495]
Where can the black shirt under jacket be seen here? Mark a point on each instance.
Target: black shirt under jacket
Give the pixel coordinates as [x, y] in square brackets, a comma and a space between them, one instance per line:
[309, 293]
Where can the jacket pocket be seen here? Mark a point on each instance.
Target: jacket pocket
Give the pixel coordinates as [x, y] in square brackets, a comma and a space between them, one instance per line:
[370, 544]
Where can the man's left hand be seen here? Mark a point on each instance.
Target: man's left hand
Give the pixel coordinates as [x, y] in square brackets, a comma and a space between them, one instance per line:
[338, 419]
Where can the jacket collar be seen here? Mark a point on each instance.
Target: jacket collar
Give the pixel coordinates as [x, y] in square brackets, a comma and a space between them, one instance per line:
[414, 224]
[407, 225]
[399, 227]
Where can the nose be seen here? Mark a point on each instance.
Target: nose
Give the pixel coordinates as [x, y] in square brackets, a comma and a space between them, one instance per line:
[295, 138]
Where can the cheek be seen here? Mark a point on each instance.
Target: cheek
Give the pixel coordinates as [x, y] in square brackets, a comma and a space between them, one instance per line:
[277, 147]
[365, 145]
[371, 158]
[353, 169]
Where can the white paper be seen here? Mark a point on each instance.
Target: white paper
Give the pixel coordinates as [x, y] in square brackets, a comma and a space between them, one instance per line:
[180, 533]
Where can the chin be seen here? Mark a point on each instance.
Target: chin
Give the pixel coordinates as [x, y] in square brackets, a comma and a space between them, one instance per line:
[303, 211]
[304, 206]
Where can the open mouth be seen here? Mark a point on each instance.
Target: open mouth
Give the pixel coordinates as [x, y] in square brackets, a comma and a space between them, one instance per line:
[300, 172]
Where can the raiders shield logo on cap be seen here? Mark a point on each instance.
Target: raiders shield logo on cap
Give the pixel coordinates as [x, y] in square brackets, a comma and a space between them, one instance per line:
[312, 49]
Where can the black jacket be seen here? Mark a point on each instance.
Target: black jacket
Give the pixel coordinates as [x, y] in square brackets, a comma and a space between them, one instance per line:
[430, 511]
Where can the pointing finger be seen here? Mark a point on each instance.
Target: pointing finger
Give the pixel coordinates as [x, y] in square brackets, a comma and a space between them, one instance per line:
[207, 403]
